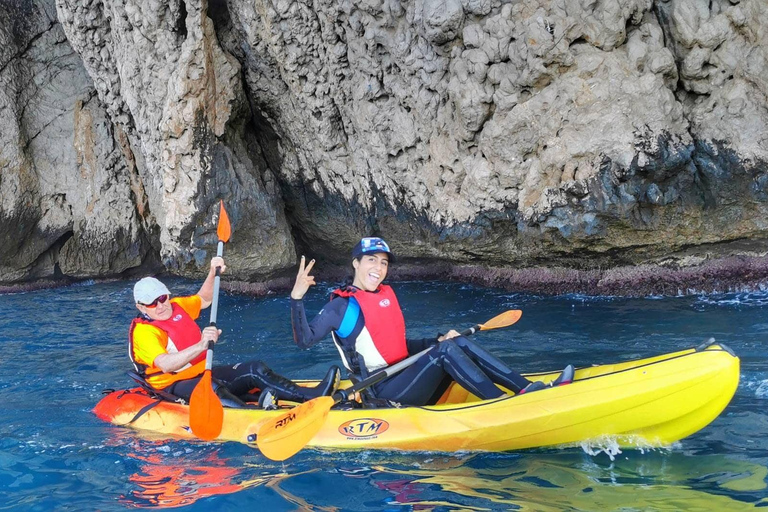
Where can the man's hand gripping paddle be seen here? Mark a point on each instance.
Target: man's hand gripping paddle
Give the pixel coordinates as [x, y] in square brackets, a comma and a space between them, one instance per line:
[206, 414]
[287, 433]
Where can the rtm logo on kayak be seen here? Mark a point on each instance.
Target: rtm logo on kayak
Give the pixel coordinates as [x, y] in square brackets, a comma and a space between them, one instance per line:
[363, 427]
[283, 422]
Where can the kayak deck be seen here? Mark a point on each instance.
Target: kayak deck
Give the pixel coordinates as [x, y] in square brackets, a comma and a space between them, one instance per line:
[647, 402]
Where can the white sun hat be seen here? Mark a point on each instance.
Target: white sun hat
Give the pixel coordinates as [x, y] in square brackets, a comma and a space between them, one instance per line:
[148, 289]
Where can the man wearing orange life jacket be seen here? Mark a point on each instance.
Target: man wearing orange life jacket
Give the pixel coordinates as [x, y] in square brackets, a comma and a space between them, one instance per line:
[168, 348]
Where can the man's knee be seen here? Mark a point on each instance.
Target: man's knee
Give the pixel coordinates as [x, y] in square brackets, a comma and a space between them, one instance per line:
[254, 367]
[447, 347]
[461, 341]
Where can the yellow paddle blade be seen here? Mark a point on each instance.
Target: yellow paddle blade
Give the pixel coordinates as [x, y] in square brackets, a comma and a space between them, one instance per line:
[206, 414]
[287, 433]
[224, 230]
[503, 320]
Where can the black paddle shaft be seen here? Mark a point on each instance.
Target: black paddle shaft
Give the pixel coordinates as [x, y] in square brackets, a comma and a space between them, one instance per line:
[342, 394]
[377, 377]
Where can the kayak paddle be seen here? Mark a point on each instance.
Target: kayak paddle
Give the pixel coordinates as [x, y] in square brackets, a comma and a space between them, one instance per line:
[206, 414]
[286, 434]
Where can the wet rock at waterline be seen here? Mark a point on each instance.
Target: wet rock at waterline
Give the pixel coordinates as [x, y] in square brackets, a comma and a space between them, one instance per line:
[584, 136]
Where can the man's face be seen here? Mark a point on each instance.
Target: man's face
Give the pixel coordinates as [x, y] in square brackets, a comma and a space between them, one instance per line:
[159, 309]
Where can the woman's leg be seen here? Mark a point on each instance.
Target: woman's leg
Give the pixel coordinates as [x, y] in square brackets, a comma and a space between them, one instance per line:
[499, 372]
[416, 384]
[464, 370]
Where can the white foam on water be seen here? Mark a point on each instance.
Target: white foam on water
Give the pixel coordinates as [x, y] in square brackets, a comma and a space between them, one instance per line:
[85, 283]
[753, 297]
[755, 383]
[611, 445]
[583, 298]
[762, 389]
[610, 448]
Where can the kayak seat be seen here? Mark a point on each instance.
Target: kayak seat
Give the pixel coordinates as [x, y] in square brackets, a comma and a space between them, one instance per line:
[155, 393]
[455, 394]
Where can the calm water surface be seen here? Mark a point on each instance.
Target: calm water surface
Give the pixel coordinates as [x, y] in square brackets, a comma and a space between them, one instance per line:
[61, 348]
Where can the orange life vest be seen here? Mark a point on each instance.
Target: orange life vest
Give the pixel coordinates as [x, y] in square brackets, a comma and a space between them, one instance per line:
[181, 332]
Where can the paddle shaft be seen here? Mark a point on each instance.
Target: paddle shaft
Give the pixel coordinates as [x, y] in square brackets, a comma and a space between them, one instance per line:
[214, 306]
[377, 377]
[216, 285]
[206, 414]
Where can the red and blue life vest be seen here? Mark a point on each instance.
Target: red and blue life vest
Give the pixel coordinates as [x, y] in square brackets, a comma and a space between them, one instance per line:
[382, 341]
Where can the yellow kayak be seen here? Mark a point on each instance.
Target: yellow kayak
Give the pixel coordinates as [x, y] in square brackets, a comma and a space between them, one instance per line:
[646, 402]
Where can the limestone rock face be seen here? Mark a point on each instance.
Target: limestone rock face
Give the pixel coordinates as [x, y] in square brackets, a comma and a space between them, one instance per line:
[65, 196]
[115, 155]
[512, 132]
[577, 133]
[165, 81]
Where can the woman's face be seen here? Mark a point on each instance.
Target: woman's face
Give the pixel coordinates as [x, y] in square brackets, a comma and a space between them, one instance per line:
[370, 270]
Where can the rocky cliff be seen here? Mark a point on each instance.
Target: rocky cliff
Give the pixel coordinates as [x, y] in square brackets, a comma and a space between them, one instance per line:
[542, 144]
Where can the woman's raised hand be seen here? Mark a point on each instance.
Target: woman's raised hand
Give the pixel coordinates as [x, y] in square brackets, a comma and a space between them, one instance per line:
[303, 280]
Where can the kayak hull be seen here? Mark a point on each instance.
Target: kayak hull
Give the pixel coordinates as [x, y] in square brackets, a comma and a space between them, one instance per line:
[643, 403]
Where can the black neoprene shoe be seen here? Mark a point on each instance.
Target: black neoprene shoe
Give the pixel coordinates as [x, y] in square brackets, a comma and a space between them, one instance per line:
[330, 383]
[536, 385]
[564, 378]
[267, 399]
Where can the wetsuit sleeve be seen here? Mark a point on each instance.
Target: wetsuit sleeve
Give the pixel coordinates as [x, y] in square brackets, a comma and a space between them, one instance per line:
[305, 333]
[417, 345]
[148, 343]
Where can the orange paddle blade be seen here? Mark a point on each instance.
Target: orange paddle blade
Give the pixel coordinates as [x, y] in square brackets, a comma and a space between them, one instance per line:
[503, 320]
[224, 230]
[206, 414]
[287, 433]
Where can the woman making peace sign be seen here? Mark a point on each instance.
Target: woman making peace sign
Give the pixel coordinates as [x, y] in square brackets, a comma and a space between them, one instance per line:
[368, 329]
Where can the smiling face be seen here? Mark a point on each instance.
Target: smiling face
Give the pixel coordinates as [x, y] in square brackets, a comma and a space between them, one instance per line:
[370, 270]
[162, 311]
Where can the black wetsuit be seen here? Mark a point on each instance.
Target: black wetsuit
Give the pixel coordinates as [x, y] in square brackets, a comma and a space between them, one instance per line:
[240, 379]
[423, 382]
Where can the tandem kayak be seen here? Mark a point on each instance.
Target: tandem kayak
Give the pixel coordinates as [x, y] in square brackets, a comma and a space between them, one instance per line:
[641, 403]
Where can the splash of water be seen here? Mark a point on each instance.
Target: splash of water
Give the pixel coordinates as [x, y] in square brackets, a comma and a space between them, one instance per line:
[762, 389]
[611, 445]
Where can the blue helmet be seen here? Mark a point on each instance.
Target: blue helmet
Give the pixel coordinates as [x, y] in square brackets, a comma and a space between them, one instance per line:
[371, 245]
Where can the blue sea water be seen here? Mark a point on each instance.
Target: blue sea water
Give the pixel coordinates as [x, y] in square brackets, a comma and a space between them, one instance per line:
[60, 348]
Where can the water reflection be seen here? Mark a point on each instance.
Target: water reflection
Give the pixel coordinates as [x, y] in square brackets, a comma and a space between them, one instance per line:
[170, 474]
[571, 481]
[163, 485]
[173, 474]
